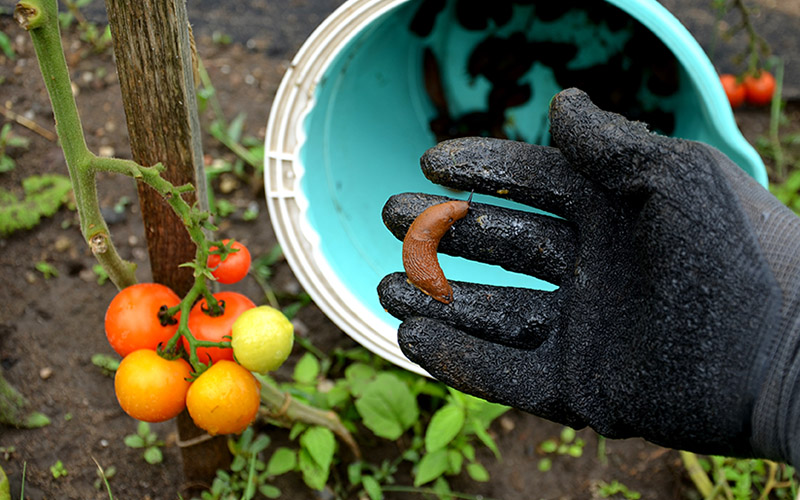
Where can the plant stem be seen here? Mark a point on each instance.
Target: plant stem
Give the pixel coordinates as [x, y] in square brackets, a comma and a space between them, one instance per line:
[697, 474]
[282, 408]
[774, 124]
[40, 18]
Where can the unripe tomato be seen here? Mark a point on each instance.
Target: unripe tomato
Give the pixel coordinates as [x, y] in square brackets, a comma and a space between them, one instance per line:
[132, 320]
[151, 388]
[214, 328]
[234, 267]
[224, 399]
[734, 89]
[262, 339]
[759, 88]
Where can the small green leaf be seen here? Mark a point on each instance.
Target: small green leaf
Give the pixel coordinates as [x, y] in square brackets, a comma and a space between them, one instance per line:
[269, 491]
[430, 467]
[469, 452]
[567, 435]
[445, 425]
[455, 459]
[283, 460]
[307, 369]
[47, 270]
[5, 488]
[549, 446]
[354, 473]
[387, 406]
[485, 438]
[320, 443]
[359, 375]
[134, 441]
[372, 487]
[153, 455]
[545, 464]
[143, 429]
[477, 472]
[314, 476]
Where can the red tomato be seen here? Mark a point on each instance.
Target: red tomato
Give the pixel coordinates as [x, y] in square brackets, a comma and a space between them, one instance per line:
[733, 89]
[132, 320]
[234, 267]
[151, 388]
[213, 328]
[759, 88]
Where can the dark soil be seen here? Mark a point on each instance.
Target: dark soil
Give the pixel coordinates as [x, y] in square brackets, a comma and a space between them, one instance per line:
[50, 328]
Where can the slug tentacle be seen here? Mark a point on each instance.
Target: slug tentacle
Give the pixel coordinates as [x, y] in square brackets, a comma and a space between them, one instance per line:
[420, 248]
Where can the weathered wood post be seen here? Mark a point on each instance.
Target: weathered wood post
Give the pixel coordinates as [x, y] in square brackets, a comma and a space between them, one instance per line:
[154, 62]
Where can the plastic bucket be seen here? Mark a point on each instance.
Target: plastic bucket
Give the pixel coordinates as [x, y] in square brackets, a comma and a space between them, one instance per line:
[356, 110]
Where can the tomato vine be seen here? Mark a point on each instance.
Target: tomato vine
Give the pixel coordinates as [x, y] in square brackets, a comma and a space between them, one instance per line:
[40, 19]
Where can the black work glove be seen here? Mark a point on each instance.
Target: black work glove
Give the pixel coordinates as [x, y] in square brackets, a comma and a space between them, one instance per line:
[677, 316]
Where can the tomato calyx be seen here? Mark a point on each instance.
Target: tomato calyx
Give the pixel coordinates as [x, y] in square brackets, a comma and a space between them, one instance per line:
[165, 317]
[171, 354]
[214, 311]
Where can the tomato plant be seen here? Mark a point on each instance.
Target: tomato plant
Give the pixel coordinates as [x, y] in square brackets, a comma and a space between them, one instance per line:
[132, 319]
[151, 388]
[734, 89]
[234, 267]
[210, 328]
[759, 88]
[224, 399]
[262, 339]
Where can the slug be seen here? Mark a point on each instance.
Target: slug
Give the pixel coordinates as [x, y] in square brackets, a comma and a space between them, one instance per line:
[420, 245]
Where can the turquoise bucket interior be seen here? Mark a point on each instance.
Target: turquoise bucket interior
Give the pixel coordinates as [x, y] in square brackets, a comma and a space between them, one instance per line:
[373, 115]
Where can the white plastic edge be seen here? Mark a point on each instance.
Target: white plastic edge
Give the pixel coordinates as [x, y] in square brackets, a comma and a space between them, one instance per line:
[283, 172]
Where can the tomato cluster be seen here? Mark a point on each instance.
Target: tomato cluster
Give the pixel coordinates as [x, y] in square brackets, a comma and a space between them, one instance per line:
[754, 89]
[221, 395]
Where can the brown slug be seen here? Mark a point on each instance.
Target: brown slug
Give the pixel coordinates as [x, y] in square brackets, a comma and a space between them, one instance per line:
[420, 246]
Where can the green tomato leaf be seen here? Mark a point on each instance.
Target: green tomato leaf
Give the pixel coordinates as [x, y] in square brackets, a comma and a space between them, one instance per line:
[283, 460]
[477, 472]
[359, 375]
[430, 467]
[306, 369]
[320, 443]
[372, 487]
[445, 425]
[485, 438]
[314, 476]
[387, 406]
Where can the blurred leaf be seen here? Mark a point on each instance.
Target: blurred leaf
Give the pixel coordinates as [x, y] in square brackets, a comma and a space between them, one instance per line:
[283, 460]
[372, 487]
[153, 455]
[445, 425]
[307, 369]
[430, 467]
[477, 472]
[387, 406]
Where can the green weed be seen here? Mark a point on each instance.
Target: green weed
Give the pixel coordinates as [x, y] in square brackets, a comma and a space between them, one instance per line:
[148, 441]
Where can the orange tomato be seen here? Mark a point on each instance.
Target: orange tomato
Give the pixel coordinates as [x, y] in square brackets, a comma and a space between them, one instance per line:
[759, 88]
[132, 320]
[224, 399]
[152, 388]
[734, 89]
[235, 266]
[214, 328]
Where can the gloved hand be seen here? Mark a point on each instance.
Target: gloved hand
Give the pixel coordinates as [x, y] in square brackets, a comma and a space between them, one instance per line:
[677, 312]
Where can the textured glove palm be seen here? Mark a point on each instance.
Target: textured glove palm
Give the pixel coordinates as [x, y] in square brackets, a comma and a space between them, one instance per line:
[676, 316]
